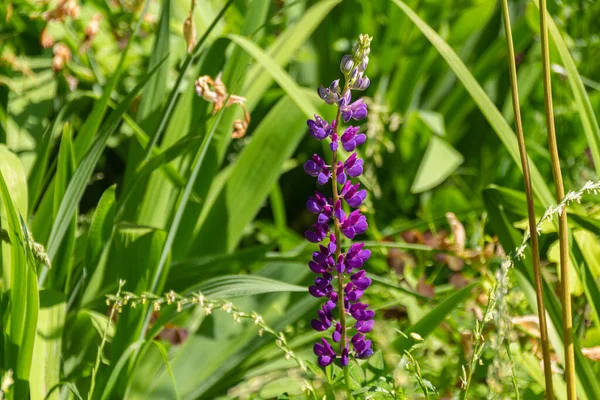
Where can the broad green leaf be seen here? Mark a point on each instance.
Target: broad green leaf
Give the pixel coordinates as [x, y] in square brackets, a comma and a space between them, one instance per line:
[439, 162]
[487, 107]
[153, 95]
[189, 272]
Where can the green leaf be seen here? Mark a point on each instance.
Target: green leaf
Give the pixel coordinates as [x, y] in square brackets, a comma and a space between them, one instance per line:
[285, 47]
[48, 344]
[64, 172]
[280, 76]
[17, 276]
[118, 368]
[429, 322]
[100, 227]
[439, 162]
[254, 174]
[231, 286]
[485, 104]
[80, 179]
[165, 357]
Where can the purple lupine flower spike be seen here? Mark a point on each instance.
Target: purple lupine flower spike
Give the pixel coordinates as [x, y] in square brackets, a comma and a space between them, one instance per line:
[341, 281]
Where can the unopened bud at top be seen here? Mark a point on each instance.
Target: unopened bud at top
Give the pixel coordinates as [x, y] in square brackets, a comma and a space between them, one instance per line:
[346, 64]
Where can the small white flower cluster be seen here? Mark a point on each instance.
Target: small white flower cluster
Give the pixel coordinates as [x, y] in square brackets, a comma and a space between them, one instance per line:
[590, 187]
[208, 306]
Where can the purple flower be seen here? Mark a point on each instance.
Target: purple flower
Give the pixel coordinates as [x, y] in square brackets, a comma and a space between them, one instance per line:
[325, 353]
[344, 357]
[316, 167]
[322, 286]
[360, 313]
[353, 166]
[318, 234]
[361, 83]
[362, 347]
[356, 110]
[331, 94]
[319, 128]
[351, 138]
[356, 256]
[323, 323]
[336, 336]
[352, 292]
[355, 224]
[360, 280]
[334, 142]
[364, 326]
[318, 204]
[352, 195]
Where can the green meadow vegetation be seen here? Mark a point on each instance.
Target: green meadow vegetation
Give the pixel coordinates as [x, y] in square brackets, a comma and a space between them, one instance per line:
[153, 199]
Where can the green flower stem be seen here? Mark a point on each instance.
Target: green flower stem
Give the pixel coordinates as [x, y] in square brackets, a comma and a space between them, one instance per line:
[338, 251]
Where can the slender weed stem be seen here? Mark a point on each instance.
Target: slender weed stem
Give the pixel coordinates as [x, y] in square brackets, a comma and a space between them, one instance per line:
[565, 296]
[539, 292]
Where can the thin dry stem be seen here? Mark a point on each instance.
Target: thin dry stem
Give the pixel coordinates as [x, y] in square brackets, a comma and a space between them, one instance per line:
[539, 292]
[565, 296]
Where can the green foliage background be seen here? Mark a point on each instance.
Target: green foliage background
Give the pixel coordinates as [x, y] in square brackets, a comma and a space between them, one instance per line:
[122, 172]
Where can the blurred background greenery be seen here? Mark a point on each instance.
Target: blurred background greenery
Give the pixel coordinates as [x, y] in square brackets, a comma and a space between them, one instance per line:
[202, 206]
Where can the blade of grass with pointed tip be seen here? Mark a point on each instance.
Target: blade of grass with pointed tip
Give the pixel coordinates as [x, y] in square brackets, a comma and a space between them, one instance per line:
[39, 169]
[485, 104]
[165, 357]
